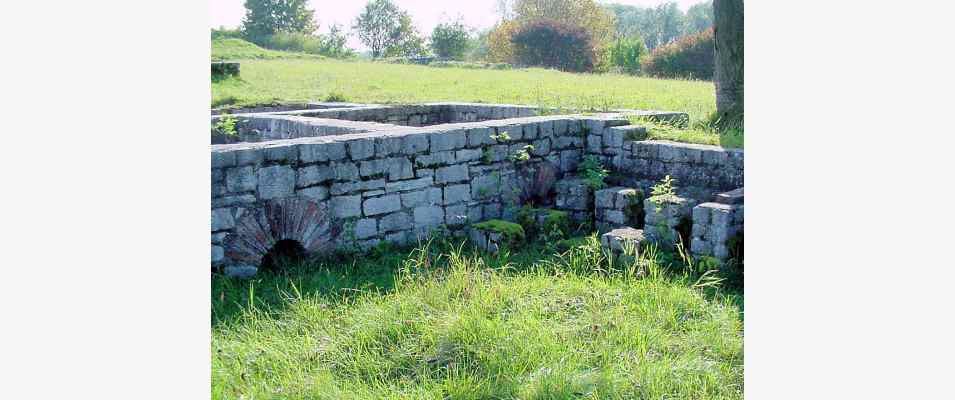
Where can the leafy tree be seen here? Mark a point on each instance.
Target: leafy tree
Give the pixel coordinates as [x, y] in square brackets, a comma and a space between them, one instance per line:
[688, 57]
[264, 18]
[554, 44]
[699, 17]
[451, 39]
[586, 14]
[657, 26]
[388, 30]
[728, 23]
[626, 53]
[334, 43]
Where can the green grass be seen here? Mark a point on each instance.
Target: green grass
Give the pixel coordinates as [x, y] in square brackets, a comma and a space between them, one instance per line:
[267, 81]
[238, 49]
[443, 323]
[700, 132]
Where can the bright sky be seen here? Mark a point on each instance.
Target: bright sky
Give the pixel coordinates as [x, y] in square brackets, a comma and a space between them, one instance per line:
[425, 13]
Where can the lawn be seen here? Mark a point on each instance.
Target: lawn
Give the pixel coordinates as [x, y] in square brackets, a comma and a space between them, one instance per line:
[270, 80]
[439, 322]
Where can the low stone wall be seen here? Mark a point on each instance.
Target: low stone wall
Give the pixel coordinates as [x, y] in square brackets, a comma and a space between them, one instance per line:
[394, 185]
[332, 183]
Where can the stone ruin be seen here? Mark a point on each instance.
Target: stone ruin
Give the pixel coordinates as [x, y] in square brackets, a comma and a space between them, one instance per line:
[328, 176]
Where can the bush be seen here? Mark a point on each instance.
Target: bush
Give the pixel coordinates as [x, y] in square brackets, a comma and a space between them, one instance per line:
[691, 56]
[332, 45]
[554, 44]
[226, 33]
[626, 54]
[451, 40]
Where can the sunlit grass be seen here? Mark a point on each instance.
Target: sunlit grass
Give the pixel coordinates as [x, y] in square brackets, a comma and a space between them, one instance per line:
[447, 323]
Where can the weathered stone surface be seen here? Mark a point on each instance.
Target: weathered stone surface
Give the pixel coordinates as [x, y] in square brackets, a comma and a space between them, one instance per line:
[275, 182]
[346, 206]
[431, 196]
[366, 228]
[382, 205]
[435, 159]
[485, 186]
[339, 188]
[466, 155]
[456, 215]
[361, 149]
[622, 240]
[457, 193]
[241, 179]
[234, 200]
[315, 192]
[443, 141]
[411, 184]
[395, 222]
[453, 173]
[428, 216]
[477, 137]
[734, 196]
[414, 144]
[222, 219]
[321, 152]
[395, 168]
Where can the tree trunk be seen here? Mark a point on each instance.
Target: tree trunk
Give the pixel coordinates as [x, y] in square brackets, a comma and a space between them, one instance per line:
[728, 25]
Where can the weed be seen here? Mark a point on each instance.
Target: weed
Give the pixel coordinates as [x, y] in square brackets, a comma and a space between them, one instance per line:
[593, 173]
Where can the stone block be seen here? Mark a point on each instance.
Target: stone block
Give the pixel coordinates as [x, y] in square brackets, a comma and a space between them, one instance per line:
[223, 159]
[428, 216]
[456, 215]
[356, 186]
[346, 206]
[366, 228]
[316, 193]
[618, 240]
[321, 152]
[457, 193]
[240, 179]
[313, 175]
[411, 184]
[386, 146]
[382, 205]
[435, 159]
[443, 141]
[477, 137]
[275, 182]
[222, 219]
[361, 149]
[466, 155]
[426, 197]
[395, 222]
[450, 174]
[414, 144]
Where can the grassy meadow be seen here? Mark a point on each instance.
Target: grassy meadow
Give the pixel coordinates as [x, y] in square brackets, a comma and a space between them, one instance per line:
[265, 79]
[442, 322]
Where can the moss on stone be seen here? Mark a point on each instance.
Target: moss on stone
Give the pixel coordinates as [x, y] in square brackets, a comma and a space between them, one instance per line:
[512, 232]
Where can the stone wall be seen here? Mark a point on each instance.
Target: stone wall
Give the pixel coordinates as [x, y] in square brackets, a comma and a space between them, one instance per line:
[393, 185]
[337, 183]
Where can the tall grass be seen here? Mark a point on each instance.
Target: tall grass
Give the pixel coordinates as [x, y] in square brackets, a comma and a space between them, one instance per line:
[449, 323]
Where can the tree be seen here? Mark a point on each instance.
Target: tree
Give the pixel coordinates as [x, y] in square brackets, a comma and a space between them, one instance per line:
[586, 14]
[388, 30]
[264, 18]
[451, 39]
[554, 44]
[728, 25]
[627, 52]
[699, 17]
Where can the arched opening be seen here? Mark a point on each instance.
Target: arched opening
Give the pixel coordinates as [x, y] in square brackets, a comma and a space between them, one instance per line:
[284, 252]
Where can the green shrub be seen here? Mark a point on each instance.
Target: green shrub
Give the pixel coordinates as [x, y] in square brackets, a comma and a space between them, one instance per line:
[626, 54]
[690, 57]
[593, 172]
[554, 44]
[451, 40]
[513, 233]
[226, 33]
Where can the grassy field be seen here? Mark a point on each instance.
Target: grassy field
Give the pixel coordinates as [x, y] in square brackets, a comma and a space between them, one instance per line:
[438, 322]
[264, 81]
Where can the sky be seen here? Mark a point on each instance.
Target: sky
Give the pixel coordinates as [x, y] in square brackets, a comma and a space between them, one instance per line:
[425, 13]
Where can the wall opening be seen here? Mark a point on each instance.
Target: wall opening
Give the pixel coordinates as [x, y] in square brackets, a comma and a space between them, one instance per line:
[283, 253]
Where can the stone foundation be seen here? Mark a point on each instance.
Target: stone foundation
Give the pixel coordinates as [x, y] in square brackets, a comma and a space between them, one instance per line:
[358, 176]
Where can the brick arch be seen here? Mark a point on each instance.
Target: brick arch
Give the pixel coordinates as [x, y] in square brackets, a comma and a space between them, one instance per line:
[305, 221]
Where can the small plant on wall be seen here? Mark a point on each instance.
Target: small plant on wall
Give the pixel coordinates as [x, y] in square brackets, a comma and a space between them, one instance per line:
[593, 173]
